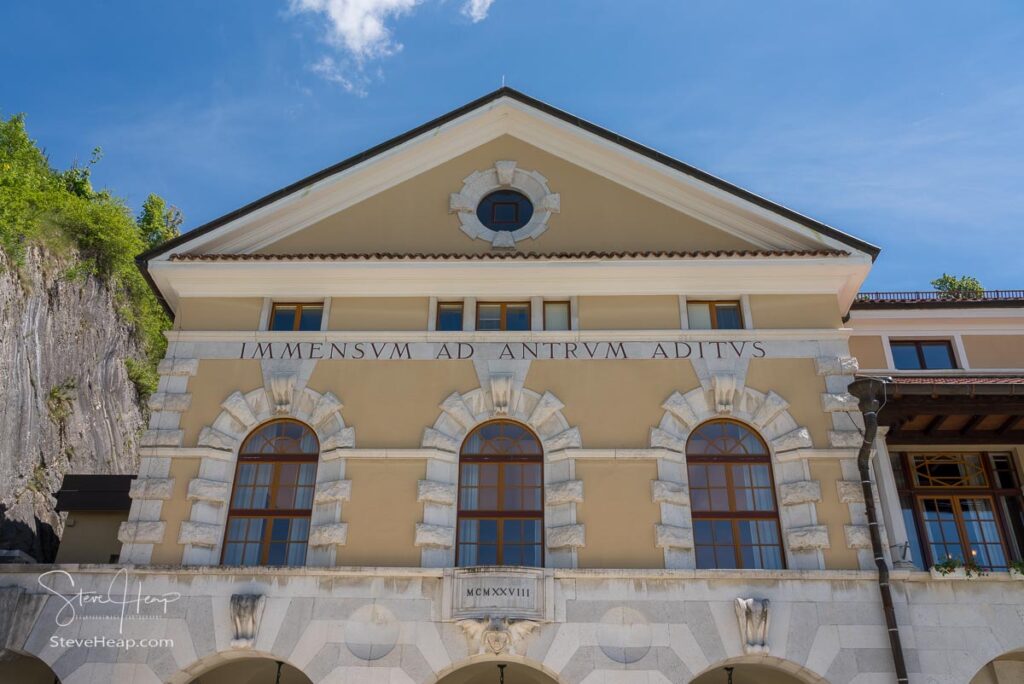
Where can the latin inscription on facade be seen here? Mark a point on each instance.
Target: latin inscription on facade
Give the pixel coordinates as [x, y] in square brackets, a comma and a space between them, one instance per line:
[511, 351]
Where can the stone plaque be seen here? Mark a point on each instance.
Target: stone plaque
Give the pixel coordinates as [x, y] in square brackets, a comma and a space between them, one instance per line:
[497, 592]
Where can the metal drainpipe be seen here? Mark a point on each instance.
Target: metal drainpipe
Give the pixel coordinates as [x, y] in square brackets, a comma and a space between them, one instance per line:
[869, 393]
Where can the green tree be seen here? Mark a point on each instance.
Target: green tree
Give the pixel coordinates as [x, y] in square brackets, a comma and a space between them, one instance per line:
[62, 210]
[958, 287]
[157, 222]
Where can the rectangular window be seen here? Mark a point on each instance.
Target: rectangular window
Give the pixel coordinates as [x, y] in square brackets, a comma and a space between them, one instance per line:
[503, 316]
[960, 505]
[304, 317]
[922, 354]
[714, 315]
[449, 316]
[556, 316]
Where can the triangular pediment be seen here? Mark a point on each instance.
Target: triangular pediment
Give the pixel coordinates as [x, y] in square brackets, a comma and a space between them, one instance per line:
[601, 193]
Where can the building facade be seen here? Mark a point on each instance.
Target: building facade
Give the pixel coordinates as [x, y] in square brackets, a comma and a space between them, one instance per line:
[513, 398]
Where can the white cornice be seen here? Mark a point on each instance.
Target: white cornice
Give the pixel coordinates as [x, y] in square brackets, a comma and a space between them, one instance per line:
[693, 277]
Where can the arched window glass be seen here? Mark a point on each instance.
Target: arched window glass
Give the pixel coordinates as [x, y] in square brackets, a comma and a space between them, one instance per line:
[732, 497]
[268, 520]
[501, 497]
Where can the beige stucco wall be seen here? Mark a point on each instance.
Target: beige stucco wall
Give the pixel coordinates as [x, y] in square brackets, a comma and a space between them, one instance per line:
[176, 510]
[795, 311]
[629, 313]
[596, 214]
[796, 381]
[833, 514]
[869, 351]
[90, 537]
[382, 513]
[378, 313]
[390, 402]
[618, 514]
[614, 403]
[218, 313]
[994, 351]
[215, 380]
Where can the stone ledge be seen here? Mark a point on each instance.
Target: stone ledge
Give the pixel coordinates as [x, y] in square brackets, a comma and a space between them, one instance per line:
[676, 493]
[174, 402]
[333, 492]
[566, 536]
[432, 491]
[565, 492]
[210, 491]
[795, 493]
[328, 534]
[811, 537]
[673, 537]
[141, 532]
[178, 367]
[850, 491]
[200, 533]
[439, 536]
[162, 438]
[151, 488]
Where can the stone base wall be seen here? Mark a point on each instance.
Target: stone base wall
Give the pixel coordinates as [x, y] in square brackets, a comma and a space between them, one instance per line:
[598, 626]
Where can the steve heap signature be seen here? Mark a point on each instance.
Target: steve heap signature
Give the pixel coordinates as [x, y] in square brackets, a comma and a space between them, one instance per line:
[127, 596]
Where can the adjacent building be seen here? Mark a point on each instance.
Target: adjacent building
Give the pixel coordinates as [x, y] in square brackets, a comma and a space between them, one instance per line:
[512, 398]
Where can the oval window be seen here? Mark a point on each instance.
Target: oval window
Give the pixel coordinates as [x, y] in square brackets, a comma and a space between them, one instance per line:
[505, 210]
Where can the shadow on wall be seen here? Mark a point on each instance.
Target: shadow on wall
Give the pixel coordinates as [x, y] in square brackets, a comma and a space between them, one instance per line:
[15, 535]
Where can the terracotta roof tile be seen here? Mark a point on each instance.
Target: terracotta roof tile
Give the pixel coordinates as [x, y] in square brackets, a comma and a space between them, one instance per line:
[510, 256]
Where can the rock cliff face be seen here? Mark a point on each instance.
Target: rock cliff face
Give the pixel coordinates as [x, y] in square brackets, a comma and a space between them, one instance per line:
[66, 401]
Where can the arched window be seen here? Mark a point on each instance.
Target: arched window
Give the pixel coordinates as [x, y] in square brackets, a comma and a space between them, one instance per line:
[732, 497]
[501, 497]
[268, 521]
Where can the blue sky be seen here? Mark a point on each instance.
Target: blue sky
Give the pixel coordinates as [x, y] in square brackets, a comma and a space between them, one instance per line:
[900, 122]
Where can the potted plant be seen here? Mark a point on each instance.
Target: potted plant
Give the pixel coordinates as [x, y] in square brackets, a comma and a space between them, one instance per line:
[1017, 570]
[955, 568]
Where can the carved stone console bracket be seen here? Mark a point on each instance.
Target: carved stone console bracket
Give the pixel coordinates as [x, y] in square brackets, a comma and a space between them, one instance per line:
[246, 611]
[753, 617]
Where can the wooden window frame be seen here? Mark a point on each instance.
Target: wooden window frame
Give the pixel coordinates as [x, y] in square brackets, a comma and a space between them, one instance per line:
[503, 317]
[568, 306]
[269, 514]
[918, 493]
[734, 515]
[500, 515]
[919, 349]
[713, 310]
[299, 306]
[437, 315]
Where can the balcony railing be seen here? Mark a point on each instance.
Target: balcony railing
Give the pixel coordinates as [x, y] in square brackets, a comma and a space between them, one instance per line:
[932, 296]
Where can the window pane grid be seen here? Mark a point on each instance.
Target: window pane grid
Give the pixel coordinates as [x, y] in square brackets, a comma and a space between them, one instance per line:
[503, 316]
[732, 497]
[304, 317]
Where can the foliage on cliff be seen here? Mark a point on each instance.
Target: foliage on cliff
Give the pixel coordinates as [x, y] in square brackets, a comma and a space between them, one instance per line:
[63, 212]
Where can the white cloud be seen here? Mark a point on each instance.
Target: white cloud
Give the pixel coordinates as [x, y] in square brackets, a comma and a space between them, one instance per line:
[359, 25]
[476, 10]
[359, 30]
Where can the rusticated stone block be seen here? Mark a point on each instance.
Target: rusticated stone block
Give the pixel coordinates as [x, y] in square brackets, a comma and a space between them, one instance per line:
[660, 439]
[333, 491]
[215, 439]
[210, 491]
[175, 402]
[434, 439]
[151, 488]
[141, 532]
[441, 493]
[568, 439]
[839, 402]
[808, 538]
[836, 365]
[342, 439]
[850, 491]
[673, 537]
[200, 533]
[435, 535]
[663, 491]
[565, 492]
[328, 534]
[566, 536]
[178, 367]
[794, 493]
[162, 438]
[857, 537]
[845, 439]
[799, 438]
